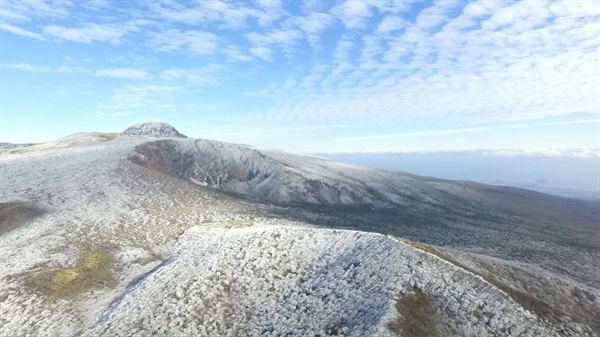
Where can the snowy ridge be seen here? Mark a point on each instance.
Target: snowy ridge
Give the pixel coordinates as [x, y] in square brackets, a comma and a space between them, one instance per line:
[74, 140]
[154, 130]
[14, 145]
[285, 280]
[277, 177]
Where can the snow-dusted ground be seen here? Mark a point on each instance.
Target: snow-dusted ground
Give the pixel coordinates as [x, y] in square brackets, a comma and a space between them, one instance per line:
[123, 249]
[285, 280]
[95, 201]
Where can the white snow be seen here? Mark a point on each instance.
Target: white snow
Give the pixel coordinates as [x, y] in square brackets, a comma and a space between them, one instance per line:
[286, 280]
[188, 260]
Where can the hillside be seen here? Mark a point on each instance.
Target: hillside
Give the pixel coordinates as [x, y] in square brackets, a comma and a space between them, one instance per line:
[135, 235]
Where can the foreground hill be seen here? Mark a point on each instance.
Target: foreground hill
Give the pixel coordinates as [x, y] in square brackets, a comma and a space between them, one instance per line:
[172, 236]
[287, 280]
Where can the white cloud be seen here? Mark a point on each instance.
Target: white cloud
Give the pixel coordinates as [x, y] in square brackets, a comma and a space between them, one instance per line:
[233, 52]
[127, 73]
[580, 8]
[198, 42]
[369, 62]
[285, 37]
[96, 5]
[450, 67]
[313, 23]
[199, 76]
[581, 153]
[262, 43]
[23, 11]
[261, 52]
[354, 14]
[587, 153]
[222, 14]
[111, 33]
[130, 99]
[572, 122]
[429, 133]
[20, 31]
[270, 4]
[66, 67]
[392, 23]
[28, 67]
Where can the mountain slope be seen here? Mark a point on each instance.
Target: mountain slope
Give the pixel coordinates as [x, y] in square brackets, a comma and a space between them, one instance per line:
[438, 211]
[74, 140]
[280, 280]
[117, 222]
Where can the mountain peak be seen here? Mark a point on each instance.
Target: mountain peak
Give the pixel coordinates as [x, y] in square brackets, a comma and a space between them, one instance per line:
[153, 129]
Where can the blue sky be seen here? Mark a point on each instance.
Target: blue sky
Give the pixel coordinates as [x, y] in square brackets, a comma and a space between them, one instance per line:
[312, 76]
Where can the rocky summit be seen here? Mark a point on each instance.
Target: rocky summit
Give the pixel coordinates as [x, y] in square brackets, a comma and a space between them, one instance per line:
[154, 130]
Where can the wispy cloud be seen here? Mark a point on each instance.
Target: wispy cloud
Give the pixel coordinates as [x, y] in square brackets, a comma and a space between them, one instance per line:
[262, 43]
[198, 42]
[370, 64]
[429, 133]
[312, 24]
[225, 15]
[96, 5]
[20, 31]
[354, 14]
[111, 33]
[495, 61]
[392, 23]
[581, 153]
[23, 11]
[199, 76]
[130, 99]
[28, 67]
[66, 67]
[572, 122]
[127, 73]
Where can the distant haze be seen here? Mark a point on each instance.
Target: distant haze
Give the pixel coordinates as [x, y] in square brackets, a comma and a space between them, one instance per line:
[577, 177]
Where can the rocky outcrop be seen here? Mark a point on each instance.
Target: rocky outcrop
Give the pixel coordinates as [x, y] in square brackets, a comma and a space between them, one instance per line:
[153, 129]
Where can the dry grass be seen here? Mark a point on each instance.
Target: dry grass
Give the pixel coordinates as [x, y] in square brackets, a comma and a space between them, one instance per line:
[416, 315]
[539, 303]
[93, 270]
[527, 301]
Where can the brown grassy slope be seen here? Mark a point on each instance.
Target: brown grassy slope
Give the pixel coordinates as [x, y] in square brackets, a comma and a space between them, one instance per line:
[531, 290]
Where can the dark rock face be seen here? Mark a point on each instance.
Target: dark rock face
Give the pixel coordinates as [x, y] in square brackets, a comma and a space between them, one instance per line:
[153, 129]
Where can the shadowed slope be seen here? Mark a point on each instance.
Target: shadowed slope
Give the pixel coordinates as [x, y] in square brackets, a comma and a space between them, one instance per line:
[16, 214]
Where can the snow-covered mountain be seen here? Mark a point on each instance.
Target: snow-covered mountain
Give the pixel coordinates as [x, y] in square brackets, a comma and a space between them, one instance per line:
[154, 130]
[131, 235]
[13, 145]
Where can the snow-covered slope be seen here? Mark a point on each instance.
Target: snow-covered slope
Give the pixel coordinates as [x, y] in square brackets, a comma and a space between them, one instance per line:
[14, 146]
[278, 177]
[74, 140]
[286, 280]
[93, 242]
[154, 130]
[311, 182]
